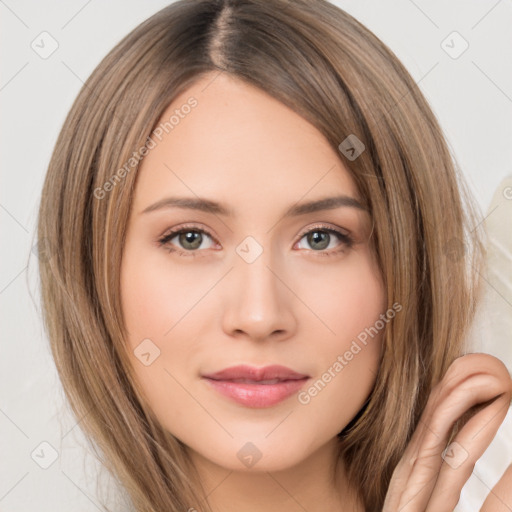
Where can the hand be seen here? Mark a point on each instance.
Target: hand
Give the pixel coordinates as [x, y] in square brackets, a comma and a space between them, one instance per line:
[425, 482]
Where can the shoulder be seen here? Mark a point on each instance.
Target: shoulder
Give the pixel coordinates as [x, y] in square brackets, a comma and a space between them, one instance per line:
[500, 498]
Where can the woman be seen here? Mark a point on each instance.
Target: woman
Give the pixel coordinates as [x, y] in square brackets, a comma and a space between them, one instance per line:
[218, 356]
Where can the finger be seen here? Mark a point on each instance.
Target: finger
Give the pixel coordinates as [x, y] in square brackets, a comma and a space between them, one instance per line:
[403, 470]
[415, 475]
[427, 463]
[461, 369]
[460, 457]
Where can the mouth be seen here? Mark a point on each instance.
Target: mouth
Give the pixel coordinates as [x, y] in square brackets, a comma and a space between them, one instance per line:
[251, 381]
[256, 388]
[257, 394]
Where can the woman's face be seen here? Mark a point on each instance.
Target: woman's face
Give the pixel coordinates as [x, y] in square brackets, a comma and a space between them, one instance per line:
[253, 280]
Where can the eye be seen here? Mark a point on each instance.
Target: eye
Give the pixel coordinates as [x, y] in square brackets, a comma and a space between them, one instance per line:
[321, 237]
[189, 239]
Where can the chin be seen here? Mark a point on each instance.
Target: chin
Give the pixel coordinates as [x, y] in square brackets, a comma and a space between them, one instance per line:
[256, 456]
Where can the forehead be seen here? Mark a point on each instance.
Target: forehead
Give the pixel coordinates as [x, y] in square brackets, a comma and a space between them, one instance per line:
[241, 146]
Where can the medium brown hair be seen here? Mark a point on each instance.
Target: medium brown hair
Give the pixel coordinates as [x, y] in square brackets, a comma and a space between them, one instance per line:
[322, 63]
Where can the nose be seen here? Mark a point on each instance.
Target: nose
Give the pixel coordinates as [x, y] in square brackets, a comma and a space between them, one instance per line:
[259, 302]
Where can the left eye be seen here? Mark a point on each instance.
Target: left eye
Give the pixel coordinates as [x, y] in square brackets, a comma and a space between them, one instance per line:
[321, 238]
[191, 239]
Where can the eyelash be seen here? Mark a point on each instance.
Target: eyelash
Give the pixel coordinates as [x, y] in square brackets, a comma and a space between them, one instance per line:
[346, 240]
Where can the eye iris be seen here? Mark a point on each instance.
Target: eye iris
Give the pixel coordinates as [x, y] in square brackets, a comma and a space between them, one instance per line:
[318, 236]
[193, 237]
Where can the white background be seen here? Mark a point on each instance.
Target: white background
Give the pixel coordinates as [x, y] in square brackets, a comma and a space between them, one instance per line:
[471, 96]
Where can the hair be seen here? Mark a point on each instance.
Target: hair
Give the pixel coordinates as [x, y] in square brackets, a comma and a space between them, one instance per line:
[325, 65]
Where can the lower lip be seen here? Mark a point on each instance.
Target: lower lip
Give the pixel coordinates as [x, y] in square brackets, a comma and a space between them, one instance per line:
[257, 395]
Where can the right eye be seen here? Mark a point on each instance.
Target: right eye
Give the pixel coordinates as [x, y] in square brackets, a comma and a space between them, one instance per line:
[190, 239]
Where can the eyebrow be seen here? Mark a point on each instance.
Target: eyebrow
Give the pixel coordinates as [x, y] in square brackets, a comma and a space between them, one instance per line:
[208, 206]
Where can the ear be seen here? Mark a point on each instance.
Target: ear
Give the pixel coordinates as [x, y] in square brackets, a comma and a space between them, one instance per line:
[500, 498]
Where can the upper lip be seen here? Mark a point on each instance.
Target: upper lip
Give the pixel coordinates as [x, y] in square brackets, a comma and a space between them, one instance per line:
[256, 374]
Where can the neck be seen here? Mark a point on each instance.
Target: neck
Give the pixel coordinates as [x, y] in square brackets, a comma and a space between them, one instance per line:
[304, 486]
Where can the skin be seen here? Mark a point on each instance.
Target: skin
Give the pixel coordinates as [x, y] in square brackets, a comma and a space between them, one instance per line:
[293, 305]
[290, 306]
[424, 481]
[500, 499]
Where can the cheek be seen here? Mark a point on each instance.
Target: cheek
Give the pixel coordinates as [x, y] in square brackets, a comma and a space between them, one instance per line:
[154, 298]
[349, 301]
[161, 302]
[155, 294]
[358, 299]
[347, 298]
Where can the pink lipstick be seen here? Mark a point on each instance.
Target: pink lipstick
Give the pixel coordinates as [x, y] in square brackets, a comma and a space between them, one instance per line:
[257, 387]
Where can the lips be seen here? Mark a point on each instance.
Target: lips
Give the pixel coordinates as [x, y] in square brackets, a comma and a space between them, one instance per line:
[251, 374]
[256, 387]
